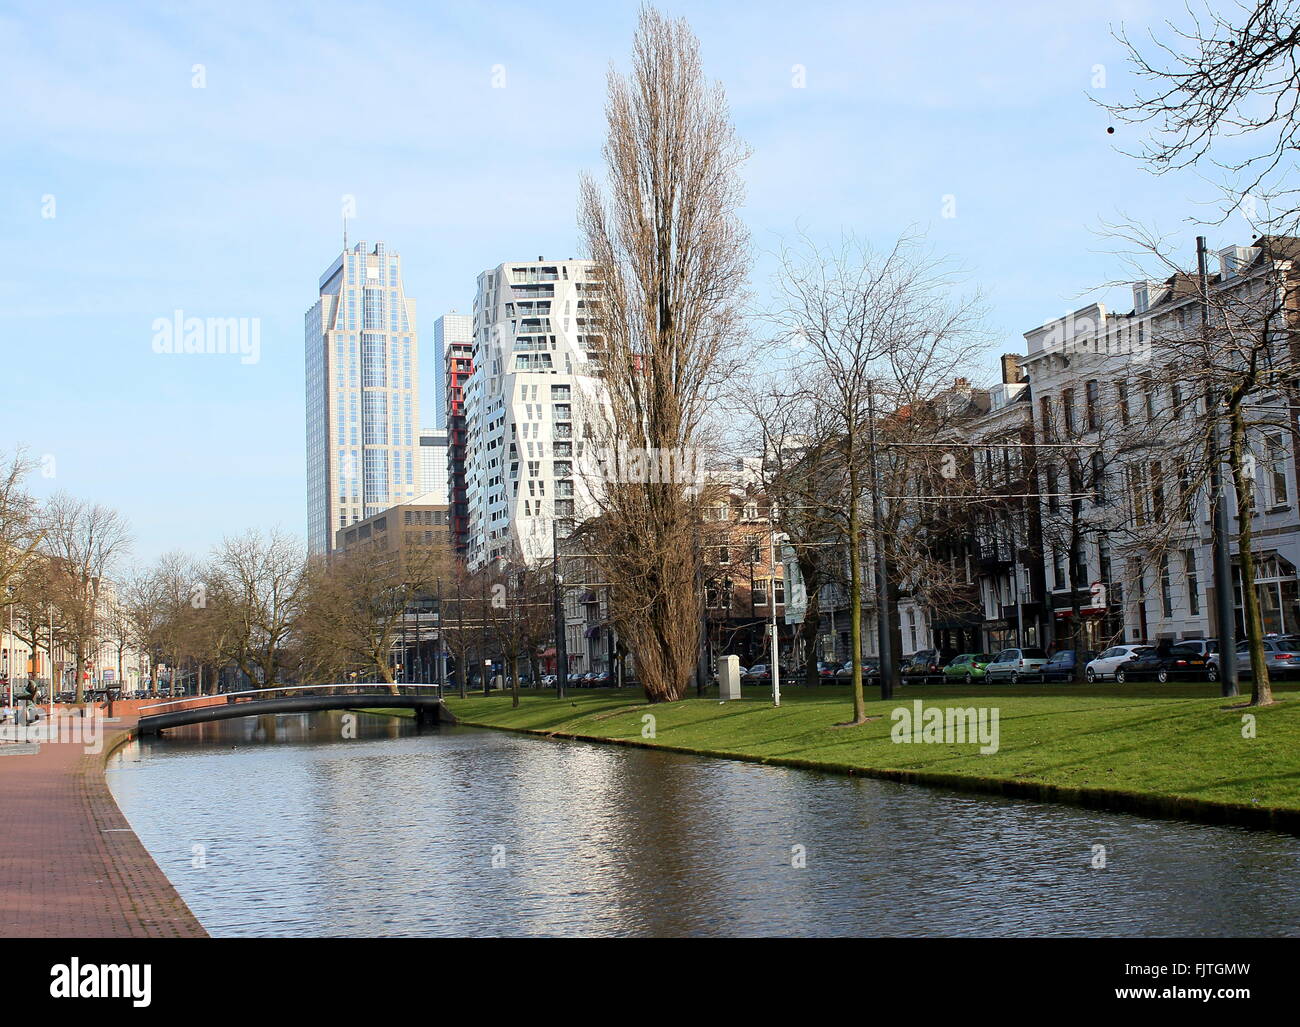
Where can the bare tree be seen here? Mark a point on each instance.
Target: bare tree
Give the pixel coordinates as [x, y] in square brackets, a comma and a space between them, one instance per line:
[84, 541]
[1225, 76]
[873, 339]
[354, 607]
[32, 592]
[673, 257]
[20, 528]
[256, 586]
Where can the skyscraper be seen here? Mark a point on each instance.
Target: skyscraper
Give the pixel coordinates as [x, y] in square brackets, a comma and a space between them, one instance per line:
[450, 329]
[535, 370]
[362, 393]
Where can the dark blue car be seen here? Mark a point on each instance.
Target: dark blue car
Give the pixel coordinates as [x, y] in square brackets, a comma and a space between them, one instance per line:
[1061, 666]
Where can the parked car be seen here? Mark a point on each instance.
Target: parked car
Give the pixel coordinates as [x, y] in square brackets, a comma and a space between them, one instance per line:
[926, 664]
[1178, 661]
[1280, 658]
[967, 667]
[1103, 667]
[870, 669]
[1015, 665]
[827, 671]
[1207, 647]
[760, 673]
[1061, 666]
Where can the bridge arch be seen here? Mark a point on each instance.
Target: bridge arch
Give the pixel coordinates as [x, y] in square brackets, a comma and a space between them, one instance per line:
[425, 700]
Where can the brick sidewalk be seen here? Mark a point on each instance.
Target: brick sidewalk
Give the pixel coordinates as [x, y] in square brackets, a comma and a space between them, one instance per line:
[70, 865]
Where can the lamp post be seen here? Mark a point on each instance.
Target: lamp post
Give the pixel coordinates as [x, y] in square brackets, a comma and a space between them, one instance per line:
[561, 656]
[882, 567]
[771, 598]
[483, 651]
[462, 671]
[439, 658]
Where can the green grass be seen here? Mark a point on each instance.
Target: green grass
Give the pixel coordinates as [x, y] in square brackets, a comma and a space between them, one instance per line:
[1164, 740]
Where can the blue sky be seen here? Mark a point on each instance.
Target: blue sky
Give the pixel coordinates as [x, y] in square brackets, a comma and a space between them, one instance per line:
[224, 201]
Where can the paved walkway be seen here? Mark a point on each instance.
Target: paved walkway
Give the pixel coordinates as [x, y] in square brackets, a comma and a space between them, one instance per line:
[70, 865]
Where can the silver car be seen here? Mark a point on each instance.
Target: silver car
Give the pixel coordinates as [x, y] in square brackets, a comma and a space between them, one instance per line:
[1015, 665]
[1280, 658]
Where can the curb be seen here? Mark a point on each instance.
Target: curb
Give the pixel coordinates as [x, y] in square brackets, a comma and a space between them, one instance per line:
[1146, 804]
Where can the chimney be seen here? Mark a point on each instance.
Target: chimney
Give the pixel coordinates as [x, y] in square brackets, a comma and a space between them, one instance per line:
[1011, 373]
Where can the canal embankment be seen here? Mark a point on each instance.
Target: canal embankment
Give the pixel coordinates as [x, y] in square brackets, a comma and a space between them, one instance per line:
[1173, 751]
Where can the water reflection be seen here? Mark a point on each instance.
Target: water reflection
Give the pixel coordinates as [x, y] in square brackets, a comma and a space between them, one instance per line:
[456, 831]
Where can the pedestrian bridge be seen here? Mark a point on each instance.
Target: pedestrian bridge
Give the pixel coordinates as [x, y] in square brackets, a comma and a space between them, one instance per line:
[425, 700]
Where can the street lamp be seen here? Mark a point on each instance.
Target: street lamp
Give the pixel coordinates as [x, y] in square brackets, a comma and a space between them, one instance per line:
[771, 598]
[561, 656]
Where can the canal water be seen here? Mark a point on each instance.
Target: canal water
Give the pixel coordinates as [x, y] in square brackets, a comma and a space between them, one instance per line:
[283, 827]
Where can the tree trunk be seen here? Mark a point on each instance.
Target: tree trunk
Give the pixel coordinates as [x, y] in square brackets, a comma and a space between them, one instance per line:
[1261, 690]
[811, 622]
[855, 602]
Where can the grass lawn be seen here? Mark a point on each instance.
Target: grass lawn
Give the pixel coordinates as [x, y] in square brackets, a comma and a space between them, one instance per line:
[1166, 740]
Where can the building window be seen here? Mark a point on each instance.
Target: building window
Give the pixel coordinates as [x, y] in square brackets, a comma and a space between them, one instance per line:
[1098, 478]
[1166, 593]
[1157, 492]
[1093, 399]
[1121, 396]
[1277, 469]
[1193, 582]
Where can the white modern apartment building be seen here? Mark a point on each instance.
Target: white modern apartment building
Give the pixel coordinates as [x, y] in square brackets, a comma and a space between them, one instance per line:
[362, 382]
[535, 380]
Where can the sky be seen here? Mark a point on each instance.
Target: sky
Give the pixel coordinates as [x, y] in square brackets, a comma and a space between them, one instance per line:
[196, 157]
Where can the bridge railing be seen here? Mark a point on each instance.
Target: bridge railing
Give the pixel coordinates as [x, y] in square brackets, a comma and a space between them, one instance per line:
[379, 690]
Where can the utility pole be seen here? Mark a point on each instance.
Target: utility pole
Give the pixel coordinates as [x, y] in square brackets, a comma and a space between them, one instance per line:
[1223, 588]
[882, 568]
[771, 598]
[462, 671]
[483, 615]
[439, 661]
[561, 657]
